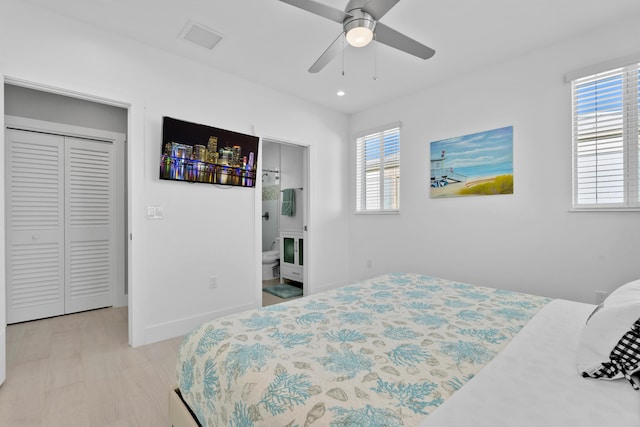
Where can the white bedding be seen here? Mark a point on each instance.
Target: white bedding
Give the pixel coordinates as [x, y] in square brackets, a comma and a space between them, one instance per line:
[534, 382]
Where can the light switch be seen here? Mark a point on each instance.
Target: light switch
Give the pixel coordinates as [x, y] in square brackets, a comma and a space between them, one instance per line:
[155, 212]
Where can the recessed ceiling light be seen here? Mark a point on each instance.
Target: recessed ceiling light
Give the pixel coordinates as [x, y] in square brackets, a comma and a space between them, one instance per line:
[340, 93]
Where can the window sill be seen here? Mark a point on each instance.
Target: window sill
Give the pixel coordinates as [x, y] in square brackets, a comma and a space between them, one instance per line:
[607, 209]
[385, 212]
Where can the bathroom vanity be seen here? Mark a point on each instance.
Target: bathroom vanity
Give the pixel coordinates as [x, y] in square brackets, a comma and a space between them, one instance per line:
[291, 256]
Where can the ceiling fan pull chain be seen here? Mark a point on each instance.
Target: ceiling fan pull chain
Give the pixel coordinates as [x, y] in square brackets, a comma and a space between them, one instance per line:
[343, 49]
[375, 58]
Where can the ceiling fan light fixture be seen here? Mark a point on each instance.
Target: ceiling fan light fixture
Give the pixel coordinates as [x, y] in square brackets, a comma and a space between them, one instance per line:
[359, 28]
[359, 36]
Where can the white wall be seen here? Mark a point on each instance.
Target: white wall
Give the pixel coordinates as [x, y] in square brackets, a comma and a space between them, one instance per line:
[207, 230]
[528, 241]
[270, 194]
[35, 104]
[291, 176]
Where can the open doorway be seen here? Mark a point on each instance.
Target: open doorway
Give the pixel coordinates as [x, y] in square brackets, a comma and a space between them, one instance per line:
[284, 221]
[83, 216]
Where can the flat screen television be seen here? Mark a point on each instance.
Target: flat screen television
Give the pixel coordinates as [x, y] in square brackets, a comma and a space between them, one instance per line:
[193, 152]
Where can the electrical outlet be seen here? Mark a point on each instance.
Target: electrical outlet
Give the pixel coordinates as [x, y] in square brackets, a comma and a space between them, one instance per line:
[369, 263]
[601, 296]
[213, 282]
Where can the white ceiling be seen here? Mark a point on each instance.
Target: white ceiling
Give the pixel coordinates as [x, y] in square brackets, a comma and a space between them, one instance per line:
[273, 43]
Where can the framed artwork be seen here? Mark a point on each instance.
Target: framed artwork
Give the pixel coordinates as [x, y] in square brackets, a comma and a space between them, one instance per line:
[479, 164]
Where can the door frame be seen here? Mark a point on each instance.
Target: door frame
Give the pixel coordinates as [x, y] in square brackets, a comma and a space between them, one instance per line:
[306, 216]
[135, 115]
[119, 297]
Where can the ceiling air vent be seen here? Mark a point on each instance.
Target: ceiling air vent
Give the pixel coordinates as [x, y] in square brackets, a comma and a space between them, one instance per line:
[200, 35]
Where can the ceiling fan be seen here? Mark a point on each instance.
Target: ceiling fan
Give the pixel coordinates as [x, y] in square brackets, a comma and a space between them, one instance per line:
[360, 23]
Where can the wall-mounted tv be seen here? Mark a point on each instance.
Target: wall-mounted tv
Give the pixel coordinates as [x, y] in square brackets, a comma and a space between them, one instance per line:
[193, 152]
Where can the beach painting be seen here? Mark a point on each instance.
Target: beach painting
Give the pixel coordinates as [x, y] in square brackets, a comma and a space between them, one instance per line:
[479, 164]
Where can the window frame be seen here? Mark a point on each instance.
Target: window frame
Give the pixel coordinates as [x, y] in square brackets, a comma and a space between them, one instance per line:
[628, 68]
[360, 169]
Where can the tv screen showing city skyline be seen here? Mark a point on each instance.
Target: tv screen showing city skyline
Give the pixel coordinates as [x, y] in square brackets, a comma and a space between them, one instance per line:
[194, 152]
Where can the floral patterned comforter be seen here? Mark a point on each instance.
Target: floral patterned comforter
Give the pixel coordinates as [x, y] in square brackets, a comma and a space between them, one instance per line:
[383, 352]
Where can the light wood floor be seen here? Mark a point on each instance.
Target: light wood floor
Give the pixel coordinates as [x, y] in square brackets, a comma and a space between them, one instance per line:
[78, 370]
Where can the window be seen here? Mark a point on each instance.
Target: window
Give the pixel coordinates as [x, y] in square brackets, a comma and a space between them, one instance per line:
[378, 171]
[605, 139]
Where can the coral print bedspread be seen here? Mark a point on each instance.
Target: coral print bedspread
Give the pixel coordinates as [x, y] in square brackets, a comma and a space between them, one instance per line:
[384, 352]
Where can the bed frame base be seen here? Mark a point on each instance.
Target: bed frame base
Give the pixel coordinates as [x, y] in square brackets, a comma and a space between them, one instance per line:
[179, 413]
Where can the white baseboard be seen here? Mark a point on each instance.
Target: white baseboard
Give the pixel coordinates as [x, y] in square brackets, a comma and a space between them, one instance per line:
[164, 331]
[318, 289]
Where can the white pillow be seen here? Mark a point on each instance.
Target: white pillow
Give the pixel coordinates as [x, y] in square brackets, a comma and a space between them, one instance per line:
[609, 323]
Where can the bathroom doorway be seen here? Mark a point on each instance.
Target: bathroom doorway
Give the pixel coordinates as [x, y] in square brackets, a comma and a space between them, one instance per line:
[284, 221]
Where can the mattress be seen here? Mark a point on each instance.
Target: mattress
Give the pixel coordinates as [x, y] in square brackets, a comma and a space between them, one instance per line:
[534, 382]
[384, 352]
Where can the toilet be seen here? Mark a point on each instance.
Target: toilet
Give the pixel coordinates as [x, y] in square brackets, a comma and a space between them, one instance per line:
[271, 262]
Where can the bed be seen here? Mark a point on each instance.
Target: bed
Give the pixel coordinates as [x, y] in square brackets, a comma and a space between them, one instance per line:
[399, 349]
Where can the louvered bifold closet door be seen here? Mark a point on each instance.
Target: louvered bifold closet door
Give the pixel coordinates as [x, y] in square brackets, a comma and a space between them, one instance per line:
[89, 237]
[35, 225]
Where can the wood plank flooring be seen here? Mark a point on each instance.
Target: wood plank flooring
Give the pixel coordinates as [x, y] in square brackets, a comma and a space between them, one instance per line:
[78, 370]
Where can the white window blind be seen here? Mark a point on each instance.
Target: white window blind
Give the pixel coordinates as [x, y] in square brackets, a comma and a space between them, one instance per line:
[605, 139]
[378, 171]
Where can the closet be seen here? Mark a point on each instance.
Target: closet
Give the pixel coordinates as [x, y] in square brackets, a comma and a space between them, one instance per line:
[60, 234]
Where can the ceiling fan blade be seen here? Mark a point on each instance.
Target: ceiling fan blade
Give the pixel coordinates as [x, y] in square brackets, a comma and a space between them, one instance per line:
[378, 8]
[319, 9]
[332, 51]
[391, 37]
